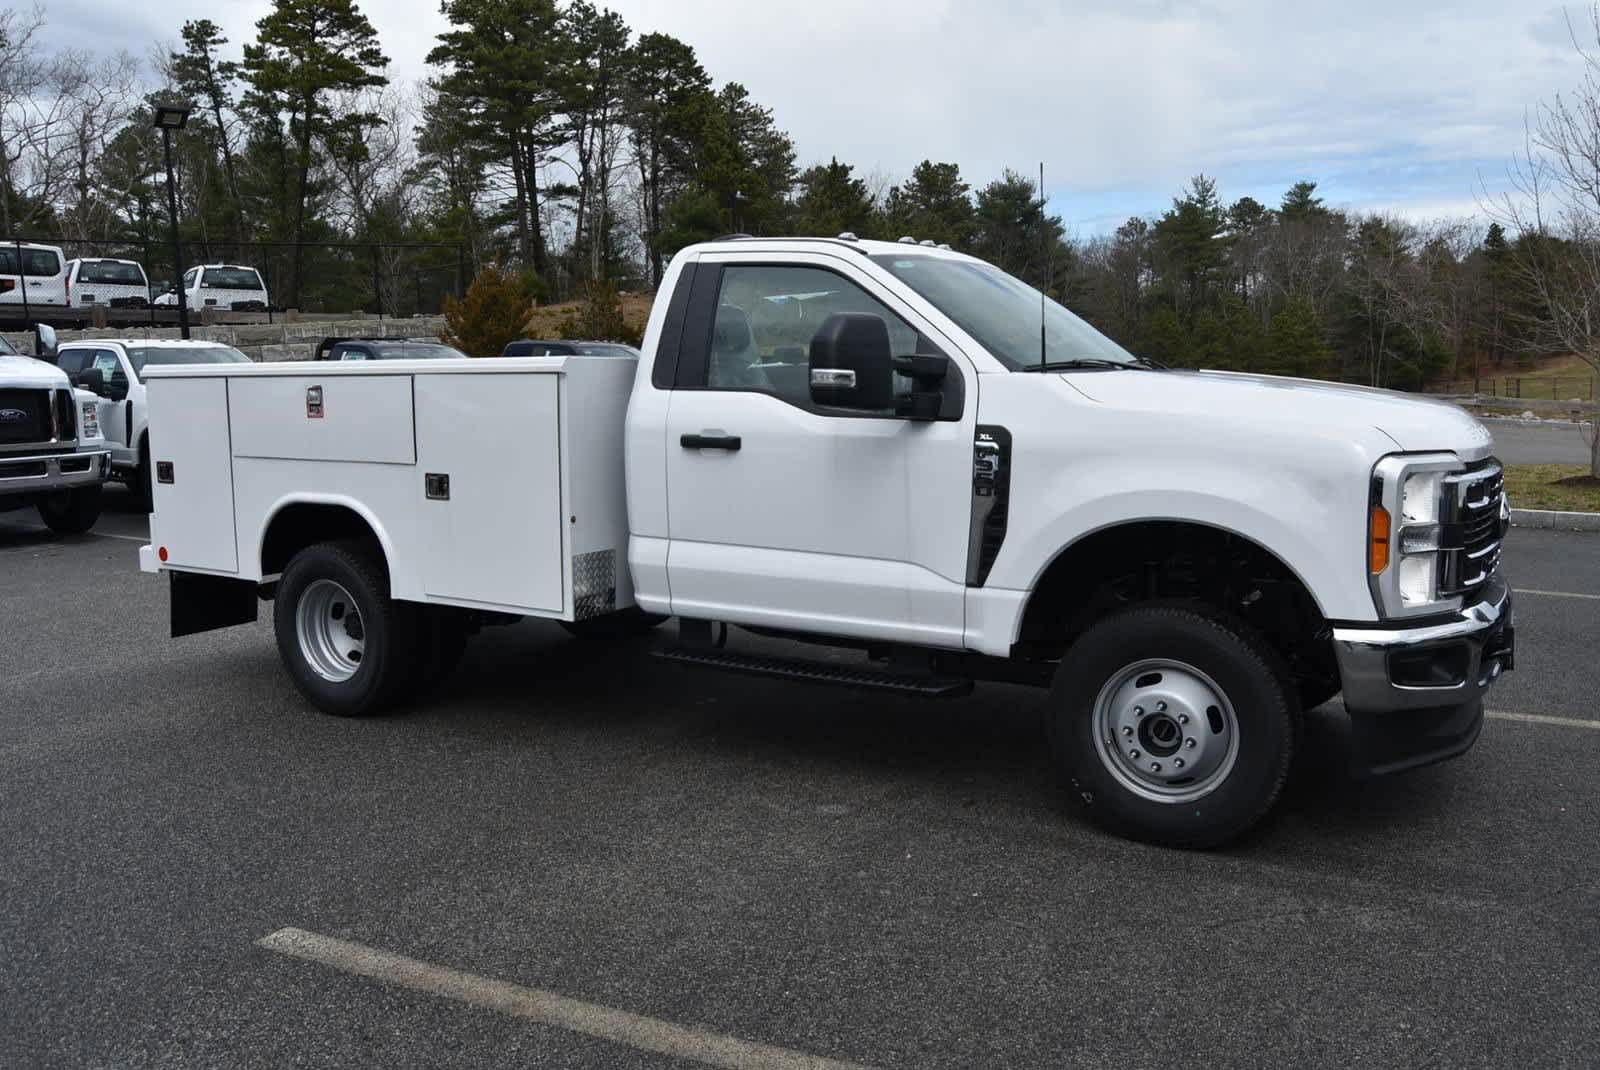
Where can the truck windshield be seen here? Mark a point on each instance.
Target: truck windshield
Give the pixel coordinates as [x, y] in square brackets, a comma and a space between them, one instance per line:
[153, 356]
[6, 348]
[1002, 313]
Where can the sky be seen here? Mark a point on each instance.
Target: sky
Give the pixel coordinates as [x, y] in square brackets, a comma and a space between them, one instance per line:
[1405, 106]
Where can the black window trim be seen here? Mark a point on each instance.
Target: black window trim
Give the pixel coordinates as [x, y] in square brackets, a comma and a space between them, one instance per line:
[700, 317]
[664, 372]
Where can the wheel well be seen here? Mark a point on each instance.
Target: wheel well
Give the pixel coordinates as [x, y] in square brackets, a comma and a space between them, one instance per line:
[1178, 561]
[302, 524]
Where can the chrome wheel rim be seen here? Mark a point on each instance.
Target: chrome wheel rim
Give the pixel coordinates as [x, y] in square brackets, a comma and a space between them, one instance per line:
[1165, 730]
[331, 633]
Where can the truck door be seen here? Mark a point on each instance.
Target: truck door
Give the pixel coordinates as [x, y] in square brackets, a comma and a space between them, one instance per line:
[790, 515]
[113, 405]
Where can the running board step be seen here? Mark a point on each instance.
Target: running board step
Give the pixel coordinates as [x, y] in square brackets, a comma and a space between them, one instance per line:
[923, 685]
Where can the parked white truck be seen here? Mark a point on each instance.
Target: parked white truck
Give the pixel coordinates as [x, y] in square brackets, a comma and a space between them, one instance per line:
[52, 455]
[872, 446]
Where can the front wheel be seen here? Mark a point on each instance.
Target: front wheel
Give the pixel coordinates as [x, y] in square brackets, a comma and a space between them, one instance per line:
[71, 512]
[348, 646]
[1174, 726]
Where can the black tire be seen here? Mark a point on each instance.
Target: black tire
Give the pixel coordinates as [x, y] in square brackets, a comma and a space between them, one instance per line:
[389, 630]
[442, 634]
[71, 512]
[623, 624]
[1212, 654]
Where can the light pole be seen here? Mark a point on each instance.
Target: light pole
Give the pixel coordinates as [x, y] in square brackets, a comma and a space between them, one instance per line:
[170, 117]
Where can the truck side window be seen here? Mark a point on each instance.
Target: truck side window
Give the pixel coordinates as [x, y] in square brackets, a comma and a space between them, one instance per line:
[765, 319]
[72, 361]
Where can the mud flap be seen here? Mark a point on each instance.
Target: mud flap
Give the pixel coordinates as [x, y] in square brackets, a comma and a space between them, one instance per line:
[202, 603]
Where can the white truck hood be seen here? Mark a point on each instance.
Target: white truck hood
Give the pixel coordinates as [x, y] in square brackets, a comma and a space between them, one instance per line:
[1414, 424]
[30, 373]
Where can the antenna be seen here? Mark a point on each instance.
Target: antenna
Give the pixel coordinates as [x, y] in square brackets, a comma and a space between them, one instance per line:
[1045, 249]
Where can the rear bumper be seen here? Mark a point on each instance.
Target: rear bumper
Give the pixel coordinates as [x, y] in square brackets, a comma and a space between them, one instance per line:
[1415, 694]
[42, 473]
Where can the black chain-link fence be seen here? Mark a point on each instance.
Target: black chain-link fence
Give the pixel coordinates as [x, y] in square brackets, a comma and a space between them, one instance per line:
[67, 280]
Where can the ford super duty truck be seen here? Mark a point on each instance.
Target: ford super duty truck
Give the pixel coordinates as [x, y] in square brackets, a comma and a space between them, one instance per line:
[52, 455]
[879, 448]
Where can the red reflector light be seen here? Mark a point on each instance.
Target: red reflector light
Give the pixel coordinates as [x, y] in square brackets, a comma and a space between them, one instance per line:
[162, 553]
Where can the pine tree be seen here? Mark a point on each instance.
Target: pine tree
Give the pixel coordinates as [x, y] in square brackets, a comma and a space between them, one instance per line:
[201, 76]
[668, 93]
[1295, 342]
[832, 201]
[933, 205]
[307, 53]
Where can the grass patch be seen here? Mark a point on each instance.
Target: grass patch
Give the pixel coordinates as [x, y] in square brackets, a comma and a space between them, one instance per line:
[546, 319]
[1568, 488]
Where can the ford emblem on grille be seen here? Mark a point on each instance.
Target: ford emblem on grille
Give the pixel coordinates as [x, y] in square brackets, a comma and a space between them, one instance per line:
[11, 416]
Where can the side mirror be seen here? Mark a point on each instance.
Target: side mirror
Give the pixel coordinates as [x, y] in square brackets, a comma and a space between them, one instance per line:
[851, 364]
[90, 379]
[44, 340]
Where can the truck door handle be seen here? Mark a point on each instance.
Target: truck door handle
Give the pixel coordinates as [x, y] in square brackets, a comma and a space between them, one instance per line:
[731, 443]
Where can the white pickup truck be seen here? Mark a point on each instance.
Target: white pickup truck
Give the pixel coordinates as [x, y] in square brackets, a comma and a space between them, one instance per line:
[52, 455]
[876, 447]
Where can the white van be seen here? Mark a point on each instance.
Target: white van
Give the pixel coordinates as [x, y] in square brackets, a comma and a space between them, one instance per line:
[106, 281]
[226, 286]
[40, 268]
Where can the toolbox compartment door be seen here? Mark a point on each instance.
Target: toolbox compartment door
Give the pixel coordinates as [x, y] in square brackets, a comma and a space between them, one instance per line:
[192, 486]
[498, 538]
[333, 417]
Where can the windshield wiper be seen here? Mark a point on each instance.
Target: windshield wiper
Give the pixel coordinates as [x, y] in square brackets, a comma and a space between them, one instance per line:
[1076, 364]
[1095, 364]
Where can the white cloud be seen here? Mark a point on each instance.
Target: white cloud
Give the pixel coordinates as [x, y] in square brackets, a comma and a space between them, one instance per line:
[1382, 100]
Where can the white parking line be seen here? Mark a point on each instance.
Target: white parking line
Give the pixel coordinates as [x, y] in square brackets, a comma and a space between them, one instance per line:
[546, 1008]
[1555, 594]
[1543, 718]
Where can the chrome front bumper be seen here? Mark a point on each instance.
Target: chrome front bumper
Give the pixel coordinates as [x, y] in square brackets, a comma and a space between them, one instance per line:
[1427, 666]
[42, 473]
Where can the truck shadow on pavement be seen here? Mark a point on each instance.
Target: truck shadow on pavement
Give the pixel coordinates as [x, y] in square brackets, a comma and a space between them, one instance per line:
[989, 748]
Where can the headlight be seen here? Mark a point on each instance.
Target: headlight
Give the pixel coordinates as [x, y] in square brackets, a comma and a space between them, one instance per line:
[89, 421]
[1405, 534]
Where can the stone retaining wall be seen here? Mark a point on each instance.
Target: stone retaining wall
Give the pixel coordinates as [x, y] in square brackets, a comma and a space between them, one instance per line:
[260, 341]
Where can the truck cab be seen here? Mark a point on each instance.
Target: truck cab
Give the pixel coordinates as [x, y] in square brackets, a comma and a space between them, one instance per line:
[52, 455]
[901, 451]
[225, 287]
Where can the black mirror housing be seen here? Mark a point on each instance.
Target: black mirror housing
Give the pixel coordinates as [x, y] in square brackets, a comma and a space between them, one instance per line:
[926, 372]
[851, 364]
[90, 379]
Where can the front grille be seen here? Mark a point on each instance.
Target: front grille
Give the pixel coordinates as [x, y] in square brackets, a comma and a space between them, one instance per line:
[25, 417]
[1474, 528]
[66, 416]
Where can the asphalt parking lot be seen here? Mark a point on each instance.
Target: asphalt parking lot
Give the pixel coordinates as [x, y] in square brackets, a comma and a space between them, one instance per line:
[1547, 442]
[840, 876]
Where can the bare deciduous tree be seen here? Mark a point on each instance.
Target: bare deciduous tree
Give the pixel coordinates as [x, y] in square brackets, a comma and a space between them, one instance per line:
[1554, 210]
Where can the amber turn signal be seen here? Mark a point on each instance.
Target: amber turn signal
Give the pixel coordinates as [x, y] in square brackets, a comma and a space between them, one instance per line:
[1378, 550]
